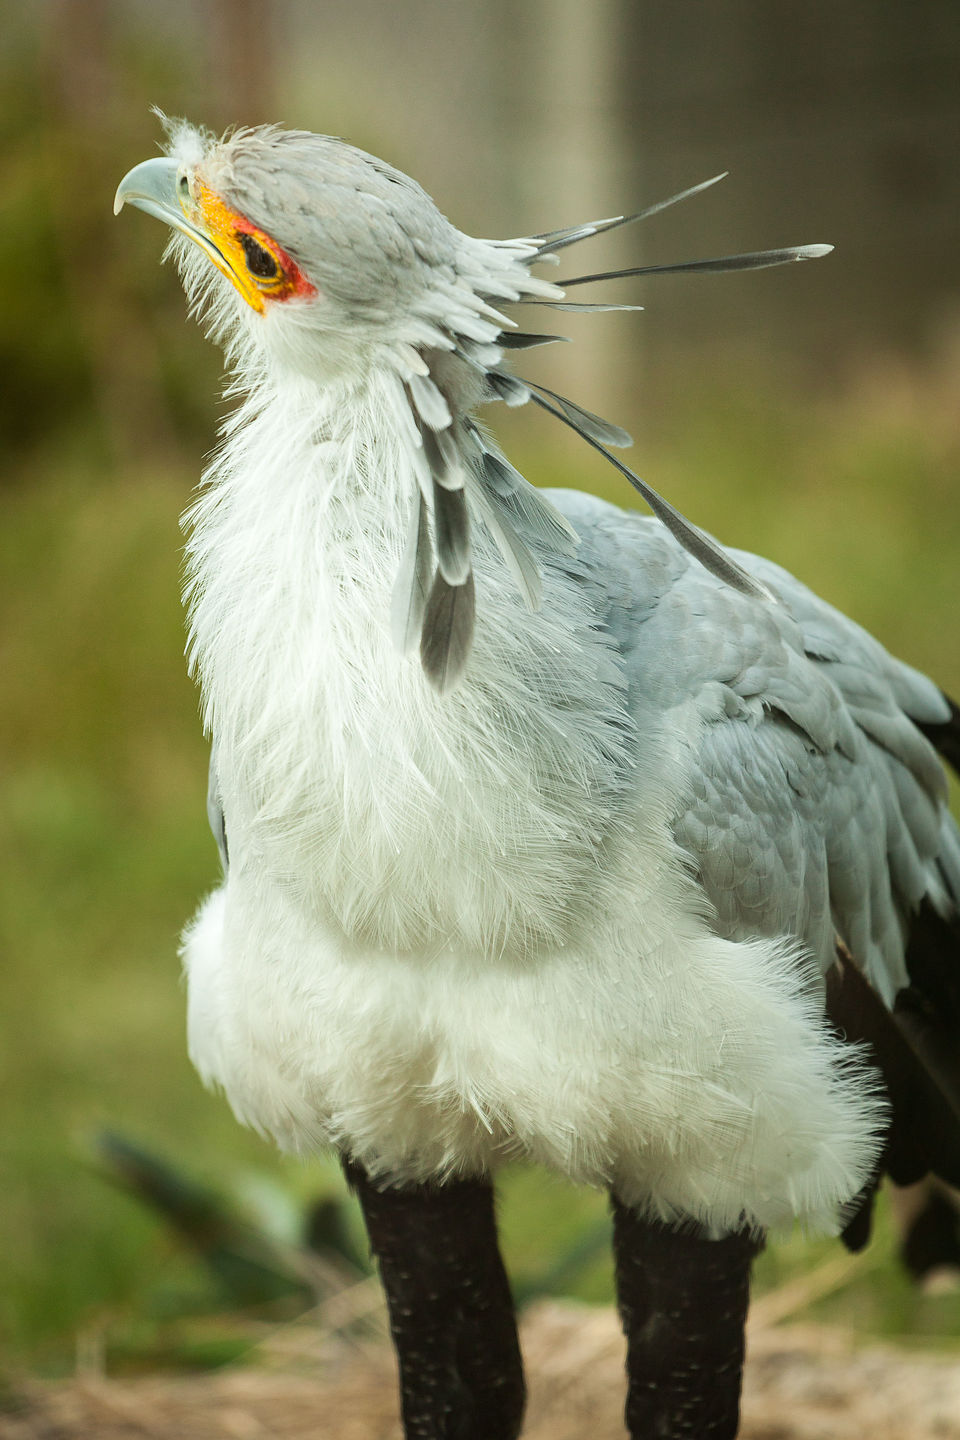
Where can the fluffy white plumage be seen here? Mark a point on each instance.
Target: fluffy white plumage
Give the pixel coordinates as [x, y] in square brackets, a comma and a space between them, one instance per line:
[457, 929]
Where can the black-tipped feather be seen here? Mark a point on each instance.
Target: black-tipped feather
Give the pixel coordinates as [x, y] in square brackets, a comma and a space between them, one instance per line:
[517, 557]
[451, 534]
[693, 540]
[570, 234]
[447, 632]
[573, 234]
[412, 584]
[498, 474]
[429, 402]
[585, 421]
[443, 457]
[508, 388]
[754, 260]
[522, 505]
[580, 307]
[520, 340]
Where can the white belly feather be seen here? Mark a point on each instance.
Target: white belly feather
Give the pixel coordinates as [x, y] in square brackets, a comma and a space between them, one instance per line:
[684, 1068]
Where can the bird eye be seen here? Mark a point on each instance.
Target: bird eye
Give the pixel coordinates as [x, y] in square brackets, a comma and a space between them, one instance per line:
[183, 186]
[259, 261]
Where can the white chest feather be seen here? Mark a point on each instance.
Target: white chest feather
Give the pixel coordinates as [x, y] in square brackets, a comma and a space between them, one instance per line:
[399, 816]
[457, 928]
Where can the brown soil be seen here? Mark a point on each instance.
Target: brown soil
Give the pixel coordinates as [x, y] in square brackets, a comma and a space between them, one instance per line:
[803, 1383]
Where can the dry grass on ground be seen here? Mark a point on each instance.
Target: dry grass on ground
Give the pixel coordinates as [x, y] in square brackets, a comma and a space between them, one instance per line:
[803, 1382]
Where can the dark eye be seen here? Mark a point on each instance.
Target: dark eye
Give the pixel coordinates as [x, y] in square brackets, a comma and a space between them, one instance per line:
[259, 261]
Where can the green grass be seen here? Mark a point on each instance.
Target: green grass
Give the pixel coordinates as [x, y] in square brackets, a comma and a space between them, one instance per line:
[104, 850]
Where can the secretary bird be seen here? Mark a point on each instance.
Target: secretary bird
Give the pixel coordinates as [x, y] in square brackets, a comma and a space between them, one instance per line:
[548, 830]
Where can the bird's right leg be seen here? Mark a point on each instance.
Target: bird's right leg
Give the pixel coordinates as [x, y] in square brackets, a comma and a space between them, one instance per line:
[683, 1302]
[451, 1311]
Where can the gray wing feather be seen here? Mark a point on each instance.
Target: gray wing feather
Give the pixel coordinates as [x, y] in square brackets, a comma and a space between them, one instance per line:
[816, 807]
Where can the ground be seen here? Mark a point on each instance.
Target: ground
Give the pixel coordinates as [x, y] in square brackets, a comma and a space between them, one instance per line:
[803, 1383]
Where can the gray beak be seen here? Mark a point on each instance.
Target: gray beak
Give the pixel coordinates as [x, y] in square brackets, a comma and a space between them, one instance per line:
[157, 186]
[152, 186]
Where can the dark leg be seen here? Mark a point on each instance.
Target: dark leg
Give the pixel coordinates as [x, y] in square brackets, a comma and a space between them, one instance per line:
[683, 1303]
[451, 1312]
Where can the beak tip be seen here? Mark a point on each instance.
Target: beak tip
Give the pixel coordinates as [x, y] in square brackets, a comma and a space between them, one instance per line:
[150, 186]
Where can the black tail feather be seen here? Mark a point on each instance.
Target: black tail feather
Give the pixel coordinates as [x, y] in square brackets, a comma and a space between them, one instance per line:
[916, 1047]
[920, 1080]
[927, 1012]
[931, 1240]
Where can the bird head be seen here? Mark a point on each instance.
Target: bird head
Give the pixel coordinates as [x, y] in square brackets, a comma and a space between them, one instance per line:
[316, 254]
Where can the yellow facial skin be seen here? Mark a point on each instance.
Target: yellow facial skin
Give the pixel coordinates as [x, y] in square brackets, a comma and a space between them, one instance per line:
[255, 264]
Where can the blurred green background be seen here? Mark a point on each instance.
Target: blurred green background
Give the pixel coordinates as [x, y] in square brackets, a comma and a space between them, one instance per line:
[809, 413]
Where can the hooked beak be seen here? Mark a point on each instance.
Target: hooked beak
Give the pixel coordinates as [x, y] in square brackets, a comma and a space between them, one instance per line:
[156, 186]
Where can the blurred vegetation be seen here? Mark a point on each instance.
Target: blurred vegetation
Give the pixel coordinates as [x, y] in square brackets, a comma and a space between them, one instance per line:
[108, 403]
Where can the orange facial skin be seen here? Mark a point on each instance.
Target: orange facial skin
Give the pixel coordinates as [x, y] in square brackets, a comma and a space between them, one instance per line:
[254, 262]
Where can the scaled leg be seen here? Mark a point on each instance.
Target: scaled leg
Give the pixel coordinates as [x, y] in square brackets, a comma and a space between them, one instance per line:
[451, 1312]
[683, 1305]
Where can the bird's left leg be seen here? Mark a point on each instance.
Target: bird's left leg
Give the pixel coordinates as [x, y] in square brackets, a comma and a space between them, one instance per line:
[683, 1303]
[451, 1311]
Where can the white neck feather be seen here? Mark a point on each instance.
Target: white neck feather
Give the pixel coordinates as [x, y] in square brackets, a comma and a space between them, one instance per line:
[402, 817]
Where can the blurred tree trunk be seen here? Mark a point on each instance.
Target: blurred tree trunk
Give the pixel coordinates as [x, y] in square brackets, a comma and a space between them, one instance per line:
[845, 117]
[241, 47]
[578, 168]
[78, 45]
